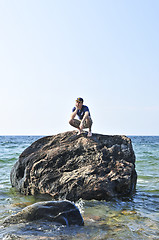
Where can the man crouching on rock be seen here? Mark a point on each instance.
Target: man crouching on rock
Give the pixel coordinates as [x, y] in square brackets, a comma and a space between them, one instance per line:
[84, 116]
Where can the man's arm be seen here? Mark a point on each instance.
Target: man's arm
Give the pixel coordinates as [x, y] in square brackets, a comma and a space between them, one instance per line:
[85, 116]
[73, 115]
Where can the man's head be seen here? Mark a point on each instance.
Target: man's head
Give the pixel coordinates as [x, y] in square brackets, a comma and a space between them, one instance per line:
[79, 100]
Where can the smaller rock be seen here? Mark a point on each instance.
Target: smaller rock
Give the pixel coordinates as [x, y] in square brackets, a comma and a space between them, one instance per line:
[63, 212]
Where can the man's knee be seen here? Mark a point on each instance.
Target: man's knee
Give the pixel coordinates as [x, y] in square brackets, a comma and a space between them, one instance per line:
[71, 122]
[74, 122]
[88, 122]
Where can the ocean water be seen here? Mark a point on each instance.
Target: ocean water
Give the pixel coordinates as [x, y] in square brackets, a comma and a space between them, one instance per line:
[133, 218]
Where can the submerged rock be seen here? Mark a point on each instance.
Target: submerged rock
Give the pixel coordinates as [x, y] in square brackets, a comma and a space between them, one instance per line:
[63, 212]
[71, 167]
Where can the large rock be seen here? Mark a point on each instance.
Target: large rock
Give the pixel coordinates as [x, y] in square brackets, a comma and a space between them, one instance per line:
[71, 167]
[63, 212]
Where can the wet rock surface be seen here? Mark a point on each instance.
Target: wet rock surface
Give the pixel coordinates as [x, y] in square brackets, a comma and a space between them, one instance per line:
[68, 166]
[63, 212]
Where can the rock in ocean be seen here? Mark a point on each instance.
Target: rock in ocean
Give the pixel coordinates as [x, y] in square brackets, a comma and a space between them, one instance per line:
[63, 212]
[70, 166]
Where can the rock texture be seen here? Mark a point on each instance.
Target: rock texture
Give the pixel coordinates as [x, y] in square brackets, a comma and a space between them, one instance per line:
[71, 167]
[63, 212]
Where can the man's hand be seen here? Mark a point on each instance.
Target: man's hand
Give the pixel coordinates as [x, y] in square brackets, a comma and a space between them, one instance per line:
[81, 125]
[77, 105]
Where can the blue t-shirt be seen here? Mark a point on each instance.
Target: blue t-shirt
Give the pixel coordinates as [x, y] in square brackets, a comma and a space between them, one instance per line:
[80, 113]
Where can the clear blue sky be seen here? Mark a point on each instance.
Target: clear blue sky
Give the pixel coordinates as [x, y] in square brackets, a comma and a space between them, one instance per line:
[53, 51]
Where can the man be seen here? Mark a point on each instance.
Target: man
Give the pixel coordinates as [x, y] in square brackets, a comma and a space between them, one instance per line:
[84, 116]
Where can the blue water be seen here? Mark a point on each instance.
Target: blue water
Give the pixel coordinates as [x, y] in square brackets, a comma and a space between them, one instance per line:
[135, 218]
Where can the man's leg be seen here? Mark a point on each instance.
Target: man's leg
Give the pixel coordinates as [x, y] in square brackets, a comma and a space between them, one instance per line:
[88, 124]
[75, 123]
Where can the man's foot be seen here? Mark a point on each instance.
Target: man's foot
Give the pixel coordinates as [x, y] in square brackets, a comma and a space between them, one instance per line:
[79, 132]
[89, 134]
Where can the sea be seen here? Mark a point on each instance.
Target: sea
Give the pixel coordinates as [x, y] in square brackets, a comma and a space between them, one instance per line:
[136, 217]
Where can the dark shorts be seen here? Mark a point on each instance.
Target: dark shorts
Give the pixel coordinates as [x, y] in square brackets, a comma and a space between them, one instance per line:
[86, 124]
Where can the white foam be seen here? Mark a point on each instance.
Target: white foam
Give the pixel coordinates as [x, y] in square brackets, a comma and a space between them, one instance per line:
[142, 181]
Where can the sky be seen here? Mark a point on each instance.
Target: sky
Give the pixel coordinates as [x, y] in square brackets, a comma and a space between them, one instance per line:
[53, 51]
